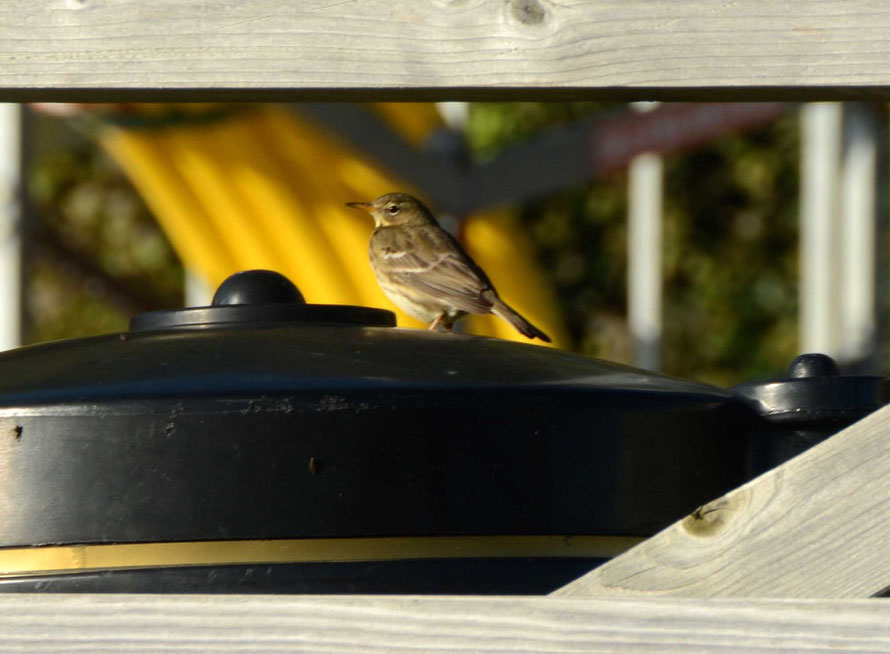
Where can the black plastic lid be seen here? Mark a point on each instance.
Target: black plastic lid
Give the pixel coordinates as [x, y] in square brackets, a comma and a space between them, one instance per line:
[260, 336]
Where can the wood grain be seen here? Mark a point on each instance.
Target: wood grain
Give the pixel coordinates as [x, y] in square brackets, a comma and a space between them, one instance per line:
[816, 526]
[102, 50]
[133, 623]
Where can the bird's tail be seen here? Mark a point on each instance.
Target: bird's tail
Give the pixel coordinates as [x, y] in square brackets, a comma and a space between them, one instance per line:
[502, 310]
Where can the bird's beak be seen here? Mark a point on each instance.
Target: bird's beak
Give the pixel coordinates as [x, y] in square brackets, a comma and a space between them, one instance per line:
[364, 206]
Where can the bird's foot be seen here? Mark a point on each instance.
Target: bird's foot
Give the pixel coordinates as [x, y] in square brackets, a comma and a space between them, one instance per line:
[436, 323]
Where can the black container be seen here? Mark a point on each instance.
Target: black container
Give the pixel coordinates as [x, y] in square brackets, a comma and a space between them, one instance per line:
[266, 445]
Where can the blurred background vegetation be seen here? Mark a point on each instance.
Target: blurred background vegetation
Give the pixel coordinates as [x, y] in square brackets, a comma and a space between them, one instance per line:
[100, 256]
[730, 247]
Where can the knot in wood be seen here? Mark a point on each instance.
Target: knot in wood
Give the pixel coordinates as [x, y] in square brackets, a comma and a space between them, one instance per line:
[527, 12]
[710, 519]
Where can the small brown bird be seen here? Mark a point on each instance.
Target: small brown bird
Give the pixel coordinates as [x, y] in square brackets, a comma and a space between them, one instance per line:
[426, 272]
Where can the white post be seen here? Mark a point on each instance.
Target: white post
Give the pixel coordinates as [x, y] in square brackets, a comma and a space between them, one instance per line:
[819, 254]
[644, 274]
[858, 272]
[10, 217]
[197, 292]
[454, 114]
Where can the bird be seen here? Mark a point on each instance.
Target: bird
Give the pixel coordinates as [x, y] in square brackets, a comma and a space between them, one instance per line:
[424, 270]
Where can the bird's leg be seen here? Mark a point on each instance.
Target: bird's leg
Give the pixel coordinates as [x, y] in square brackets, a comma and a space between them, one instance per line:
[436, 322]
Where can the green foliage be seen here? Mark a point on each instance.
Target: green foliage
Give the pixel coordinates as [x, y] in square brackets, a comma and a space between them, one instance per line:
[731, 265]
[96, 254]
[59, 307]
[730, 257]
[495, 125]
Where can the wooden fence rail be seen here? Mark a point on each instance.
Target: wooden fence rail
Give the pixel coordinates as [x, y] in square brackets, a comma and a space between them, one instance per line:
[150, 623]
[99, 50]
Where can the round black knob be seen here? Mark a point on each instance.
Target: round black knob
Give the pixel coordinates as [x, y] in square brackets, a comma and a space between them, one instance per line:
[257, 287]
[813, 365]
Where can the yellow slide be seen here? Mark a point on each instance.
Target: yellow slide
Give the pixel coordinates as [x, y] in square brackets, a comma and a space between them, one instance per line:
[259, 188]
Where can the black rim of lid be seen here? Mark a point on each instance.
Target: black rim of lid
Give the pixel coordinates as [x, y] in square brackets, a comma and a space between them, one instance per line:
[250, 315]
[255, 298]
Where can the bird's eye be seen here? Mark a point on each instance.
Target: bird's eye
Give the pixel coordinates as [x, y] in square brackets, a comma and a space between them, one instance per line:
[393, 209]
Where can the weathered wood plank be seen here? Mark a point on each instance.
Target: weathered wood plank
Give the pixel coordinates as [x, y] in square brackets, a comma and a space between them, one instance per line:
[119, 623]
[93, 50]
[816, 526]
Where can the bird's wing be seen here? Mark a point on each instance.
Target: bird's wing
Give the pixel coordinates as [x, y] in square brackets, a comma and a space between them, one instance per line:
[431, 261]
